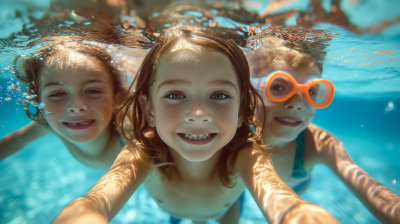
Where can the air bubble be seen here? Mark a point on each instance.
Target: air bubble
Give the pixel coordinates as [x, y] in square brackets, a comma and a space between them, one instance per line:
[254, 43]
[212, 23]
[41, 105]
[12, 87]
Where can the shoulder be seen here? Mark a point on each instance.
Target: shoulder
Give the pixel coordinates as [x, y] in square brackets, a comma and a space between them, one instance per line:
[249, 156]
[324, 144]
[322, 138]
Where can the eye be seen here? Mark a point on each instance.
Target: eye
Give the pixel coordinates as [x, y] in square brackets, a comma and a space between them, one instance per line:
[219, 96]
[58, 94]
[313, 91]
[175, 96]
[93, 91]
[277, 88]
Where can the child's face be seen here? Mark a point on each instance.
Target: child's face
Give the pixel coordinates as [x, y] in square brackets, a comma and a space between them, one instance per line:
[287, 119]
[79, 98]
[194, 103]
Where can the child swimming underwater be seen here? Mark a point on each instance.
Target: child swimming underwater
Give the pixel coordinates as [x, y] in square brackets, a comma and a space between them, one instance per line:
[192, 146]
[81, 90]
[290, 81]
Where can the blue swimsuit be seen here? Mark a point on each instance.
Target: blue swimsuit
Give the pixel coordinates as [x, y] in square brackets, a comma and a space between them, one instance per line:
[299, 175]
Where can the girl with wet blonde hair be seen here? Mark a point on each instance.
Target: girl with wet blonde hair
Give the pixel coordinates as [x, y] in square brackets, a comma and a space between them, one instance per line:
[75, 91]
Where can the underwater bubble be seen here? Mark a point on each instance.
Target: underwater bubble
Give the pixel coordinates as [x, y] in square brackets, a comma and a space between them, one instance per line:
[253, 43]
[41, 105]
[12, 87]
[29, 97]
[390, 107]
[394, 182]
[212, 23]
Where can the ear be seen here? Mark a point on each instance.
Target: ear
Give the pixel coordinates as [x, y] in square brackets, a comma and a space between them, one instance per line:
[147, 109]
[240, 122]
[117, 100]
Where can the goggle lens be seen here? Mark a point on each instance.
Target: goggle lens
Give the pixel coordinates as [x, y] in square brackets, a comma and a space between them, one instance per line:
[320, 93]
[280, 86]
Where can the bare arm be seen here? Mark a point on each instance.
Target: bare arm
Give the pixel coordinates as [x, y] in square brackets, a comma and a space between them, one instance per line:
[110, 193]
[17, 140]
[383, 203]
[276, 200]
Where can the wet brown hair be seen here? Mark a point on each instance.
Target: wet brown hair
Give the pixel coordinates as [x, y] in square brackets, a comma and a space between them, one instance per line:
[294, 55]
[55, 52]
[148, 146]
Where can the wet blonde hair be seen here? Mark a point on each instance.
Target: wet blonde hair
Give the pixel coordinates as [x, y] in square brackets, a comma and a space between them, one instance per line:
[148, 146]
[293, 55]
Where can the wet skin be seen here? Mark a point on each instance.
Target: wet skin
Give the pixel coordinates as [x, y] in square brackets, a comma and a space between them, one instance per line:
[321, 147]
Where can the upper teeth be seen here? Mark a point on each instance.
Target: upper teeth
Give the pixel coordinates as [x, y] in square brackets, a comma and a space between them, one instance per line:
[288, 120]
[79, 124]
[197, 137]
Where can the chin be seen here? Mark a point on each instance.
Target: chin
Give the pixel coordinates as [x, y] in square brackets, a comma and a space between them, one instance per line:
[284, 135]
[78, 140]
[194, 156]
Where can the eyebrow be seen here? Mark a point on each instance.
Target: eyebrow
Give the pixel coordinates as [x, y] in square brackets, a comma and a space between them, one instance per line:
[223, 83]
[183, 82]
[62, 84]
[175, 82]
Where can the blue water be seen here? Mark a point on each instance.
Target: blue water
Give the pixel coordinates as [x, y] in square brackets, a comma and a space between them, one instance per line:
[38, 181]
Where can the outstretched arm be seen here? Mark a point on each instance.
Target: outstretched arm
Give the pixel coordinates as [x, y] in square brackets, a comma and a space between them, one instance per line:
[383, 203]
[110, 193]
[276, 200]
[17, 140]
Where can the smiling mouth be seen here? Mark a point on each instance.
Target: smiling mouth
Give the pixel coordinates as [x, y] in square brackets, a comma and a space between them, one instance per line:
[197, 139]
[288, 122]
[78, 125]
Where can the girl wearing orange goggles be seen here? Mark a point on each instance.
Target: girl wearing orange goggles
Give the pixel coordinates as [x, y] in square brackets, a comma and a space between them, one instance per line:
[292, 90]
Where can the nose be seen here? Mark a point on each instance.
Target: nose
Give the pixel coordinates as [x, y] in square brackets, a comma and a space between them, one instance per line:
[77, 105]
[198, 114]
[294, 103]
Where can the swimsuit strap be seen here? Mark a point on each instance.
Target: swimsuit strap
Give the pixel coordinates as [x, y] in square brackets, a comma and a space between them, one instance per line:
[298, 168]
[119, 139]
[120, 142]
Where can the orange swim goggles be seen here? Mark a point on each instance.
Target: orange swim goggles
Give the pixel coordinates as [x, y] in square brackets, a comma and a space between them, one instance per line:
[280, 86]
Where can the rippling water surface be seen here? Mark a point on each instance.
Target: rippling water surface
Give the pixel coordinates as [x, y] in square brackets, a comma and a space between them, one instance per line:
[363, 61]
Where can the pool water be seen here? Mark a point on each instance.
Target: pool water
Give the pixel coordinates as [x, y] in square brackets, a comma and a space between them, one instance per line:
[38, 181]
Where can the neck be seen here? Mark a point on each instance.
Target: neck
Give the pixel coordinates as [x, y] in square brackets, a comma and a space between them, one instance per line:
[275, 143]
[196, 171]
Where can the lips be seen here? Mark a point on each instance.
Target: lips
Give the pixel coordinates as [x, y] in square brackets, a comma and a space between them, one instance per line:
[197, 138]
[78, 124]
[289, 121]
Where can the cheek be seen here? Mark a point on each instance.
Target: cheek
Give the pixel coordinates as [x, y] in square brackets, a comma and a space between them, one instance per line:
[53, 109]
[227, 114]
[168, 114]
[103, 106]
